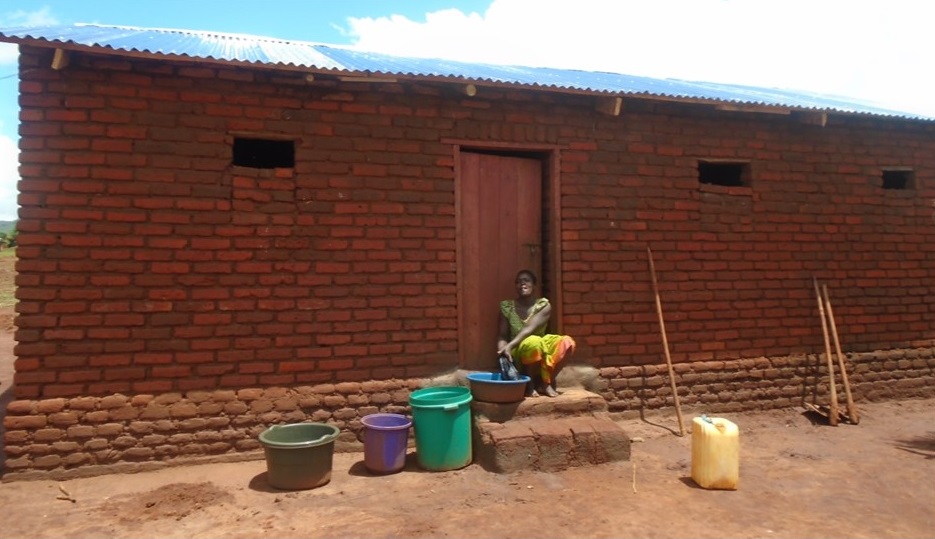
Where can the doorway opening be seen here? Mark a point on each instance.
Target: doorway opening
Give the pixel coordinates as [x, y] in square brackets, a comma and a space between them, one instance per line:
[506, 223]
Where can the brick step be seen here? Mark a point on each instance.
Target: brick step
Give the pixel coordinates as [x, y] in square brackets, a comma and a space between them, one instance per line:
[547, 434]
[571, 401]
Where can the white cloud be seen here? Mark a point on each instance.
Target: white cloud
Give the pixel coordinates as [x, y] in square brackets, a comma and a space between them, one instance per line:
[40, 17]
[9, 52]
[9, 176]
[869, 50]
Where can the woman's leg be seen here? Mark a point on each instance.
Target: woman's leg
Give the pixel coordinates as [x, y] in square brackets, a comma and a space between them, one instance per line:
[530, 354]
[535, 380]
[557, 347]
[558, 369]
[549, 389]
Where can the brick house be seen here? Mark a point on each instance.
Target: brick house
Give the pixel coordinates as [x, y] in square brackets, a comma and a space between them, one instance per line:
[220, 233]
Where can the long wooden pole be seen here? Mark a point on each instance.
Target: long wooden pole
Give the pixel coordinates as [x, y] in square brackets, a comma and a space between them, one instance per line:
[851, 409]
[665, 342]
[833, 409]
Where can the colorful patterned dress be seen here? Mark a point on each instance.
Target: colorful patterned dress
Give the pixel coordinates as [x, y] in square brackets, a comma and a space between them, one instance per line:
[546, 349]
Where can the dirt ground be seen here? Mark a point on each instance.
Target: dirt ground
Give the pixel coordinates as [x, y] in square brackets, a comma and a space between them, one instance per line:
[799, 478]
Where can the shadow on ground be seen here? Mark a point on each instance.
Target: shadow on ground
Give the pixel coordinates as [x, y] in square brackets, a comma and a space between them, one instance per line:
[922, 445]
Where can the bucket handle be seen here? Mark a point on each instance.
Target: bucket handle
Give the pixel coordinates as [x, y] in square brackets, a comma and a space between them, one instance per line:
[450, 407]
[322, 439]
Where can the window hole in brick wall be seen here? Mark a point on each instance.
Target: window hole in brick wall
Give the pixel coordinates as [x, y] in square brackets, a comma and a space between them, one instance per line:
[726, 174]
[898, 179]
[264, 153]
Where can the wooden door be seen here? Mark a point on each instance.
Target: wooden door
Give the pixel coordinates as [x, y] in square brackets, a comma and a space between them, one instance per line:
[500, 234]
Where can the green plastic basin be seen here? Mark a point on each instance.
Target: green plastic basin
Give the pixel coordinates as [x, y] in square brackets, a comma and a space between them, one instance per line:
[299, 456]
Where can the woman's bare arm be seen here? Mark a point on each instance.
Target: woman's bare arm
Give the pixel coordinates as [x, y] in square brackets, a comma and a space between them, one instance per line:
[504, 335]
[537, 320]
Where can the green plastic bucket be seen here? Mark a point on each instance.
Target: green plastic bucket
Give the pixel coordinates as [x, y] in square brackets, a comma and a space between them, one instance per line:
[441, 419]
[299, 456]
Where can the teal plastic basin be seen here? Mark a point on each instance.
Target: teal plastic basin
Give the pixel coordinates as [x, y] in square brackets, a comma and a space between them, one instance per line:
[441, 419]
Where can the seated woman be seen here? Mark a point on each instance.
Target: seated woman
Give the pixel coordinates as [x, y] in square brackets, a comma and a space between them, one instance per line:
[522, 336]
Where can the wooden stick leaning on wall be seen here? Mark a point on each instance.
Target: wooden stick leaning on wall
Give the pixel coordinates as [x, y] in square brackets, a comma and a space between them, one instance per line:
[851, 408]
[665, 342]
[833, 408]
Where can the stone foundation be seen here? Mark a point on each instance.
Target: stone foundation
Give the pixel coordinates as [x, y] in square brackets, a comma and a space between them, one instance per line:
[61, 437]
[766, 383]
[71, 437]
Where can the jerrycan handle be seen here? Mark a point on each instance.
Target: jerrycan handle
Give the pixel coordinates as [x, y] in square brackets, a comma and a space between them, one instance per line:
[719, 426]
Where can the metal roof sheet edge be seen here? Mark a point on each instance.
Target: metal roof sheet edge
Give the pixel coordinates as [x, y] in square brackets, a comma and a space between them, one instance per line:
[259, 51]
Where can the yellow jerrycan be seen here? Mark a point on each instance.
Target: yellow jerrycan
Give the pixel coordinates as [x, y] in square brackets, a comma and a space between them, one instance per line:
[715, 453]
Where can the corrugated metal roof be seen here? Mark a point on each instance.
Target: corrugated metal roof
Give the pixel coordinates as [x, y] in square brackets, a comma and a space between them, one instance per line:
[314, 56]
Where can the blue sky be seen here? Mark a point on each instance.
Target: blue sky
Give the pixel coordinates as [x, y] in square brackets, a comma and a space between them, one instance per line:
[877, 52]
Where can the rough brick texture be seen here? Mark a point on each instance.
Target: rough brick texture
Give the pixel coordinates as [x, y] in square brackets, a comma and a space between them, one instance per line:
[149, 265]
[69, 437]
[573, 429]
[768, 382]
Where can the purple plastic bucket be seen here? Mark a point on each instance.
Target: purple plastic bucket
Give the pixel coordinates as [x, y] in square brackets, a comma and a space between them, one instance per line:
[385, 438]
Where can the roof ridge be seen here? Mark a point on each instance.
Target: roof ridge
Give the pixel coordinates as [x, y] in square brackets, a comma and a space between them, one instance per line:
[187, 31]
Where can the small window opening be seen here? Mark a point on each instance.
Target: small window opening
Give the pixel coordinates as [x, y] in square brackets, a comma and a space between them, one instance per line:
[263, 153]
[898, 179]
[726, 174]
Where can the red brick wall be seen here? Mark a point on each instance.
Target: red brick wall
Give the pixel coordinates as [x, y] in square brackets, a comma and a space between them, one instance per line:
[148, 265]
[735, 265]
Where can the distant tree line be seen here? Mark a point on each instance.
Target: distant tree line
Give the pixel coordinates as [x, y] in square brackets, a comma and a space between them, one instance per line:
[8, 239]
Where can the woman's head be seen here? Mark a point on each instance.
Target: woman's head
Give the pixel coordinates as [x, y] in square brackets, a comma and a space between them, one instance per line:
[527, 274]
[525, 283]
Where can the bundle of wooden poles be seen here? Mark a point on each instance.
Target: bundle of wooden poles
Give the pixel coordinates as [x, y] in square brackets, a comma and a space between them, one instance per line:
[833, 413]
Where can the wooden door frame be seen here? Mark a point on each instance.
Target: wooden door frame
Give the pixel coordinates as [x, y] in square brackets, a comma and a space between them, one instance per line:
[553, 162]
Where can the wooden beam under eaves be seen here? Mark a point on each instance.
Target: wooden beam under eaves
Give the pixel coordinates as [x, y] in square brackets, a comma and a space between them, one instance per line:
[764, 109]
[367, 79]
[811, 117]
[60, 59]
[610, 105]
